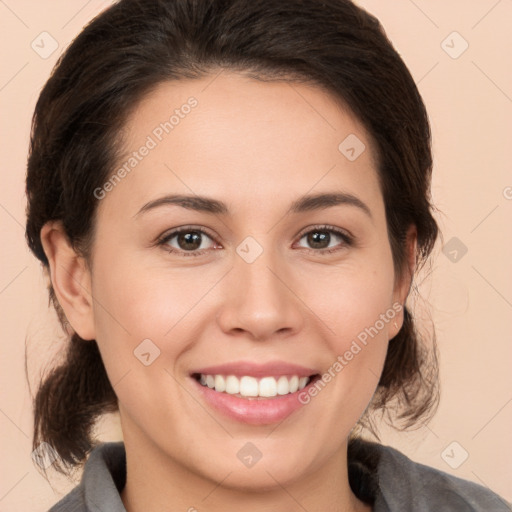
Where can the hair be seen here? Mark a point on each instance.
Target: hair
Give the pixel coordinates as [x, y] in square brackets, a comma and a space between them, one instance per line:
[135, 45]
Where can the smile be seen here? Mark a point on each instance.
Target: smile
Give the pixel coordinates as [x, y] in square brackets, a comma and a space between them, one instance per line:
[251, 387]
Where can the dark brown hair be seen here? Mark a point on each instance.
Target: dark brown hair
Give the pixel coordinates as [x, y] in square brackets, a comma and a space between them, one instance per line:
[135, 45]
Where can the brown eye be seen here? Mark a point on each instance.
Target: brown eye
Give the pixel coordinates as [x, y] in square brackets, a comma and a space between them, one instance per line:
[189, 241]
[318, 239]
[325, 239]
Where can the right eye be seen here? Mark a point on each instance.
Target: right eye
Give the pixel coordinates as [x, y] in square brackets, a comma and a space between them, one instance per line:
[187, 241]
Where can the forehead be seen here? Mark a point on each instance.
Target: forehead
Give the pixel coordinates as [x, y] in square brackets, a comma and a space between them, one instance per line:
[233, 136]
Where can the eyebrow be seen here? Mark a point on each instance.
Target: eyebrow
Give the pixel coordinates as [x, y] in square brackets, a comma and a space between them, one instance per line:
[322, 201]
[304, 204]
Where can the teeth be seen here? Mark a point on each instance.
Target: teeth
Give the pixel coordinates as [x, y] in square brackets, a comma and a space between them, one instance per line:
[268, 386]
[210, 381]
[232, 385]
[283, 386]
[252, 387]
[249, 386]
[220, 383]
[294, 384]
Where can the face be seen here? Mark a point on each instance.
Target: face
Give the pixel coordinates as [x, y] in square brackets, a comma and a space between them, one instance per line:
[243, 243]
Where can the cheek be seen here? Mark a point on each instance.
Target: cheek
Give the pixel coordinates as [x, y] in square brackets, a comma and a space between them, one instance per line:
[352, 299]
[146, 301]
[138, 319]
[355, 306]
[132, 313]
[141, 309]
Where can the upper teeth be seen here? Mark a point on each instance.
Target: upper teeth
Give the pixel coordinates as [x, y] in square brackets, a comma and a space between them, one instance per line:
[251, 386]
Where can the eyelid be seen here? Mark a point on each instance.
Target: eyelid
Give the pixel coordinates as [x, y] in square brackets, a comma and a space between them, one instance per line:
[180, 229]
[163, 239]
[347, 242]
[325, 227]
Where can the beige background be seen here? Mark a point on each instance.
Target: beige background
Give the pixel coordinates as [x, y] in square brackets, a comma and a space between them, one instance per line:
[469, 99]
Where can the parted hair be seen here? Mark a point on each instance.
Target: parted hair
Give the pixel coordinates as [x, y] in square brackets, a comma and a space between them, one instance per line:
[133, 46]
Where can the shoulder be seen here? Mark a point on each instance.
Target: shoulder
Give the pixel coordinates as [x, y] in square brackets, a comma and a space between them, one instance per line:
[103, 478]
[405, 485]
[72, 502]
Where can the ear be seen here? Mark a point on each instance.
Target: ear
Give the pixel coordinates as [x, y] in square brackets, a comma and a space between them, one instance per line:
[70, 278]
[404, 281]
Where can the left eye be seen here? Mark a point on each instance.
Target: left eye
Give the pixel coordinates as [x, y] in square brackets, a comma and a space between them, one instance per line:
[189, 240]
[324, 238]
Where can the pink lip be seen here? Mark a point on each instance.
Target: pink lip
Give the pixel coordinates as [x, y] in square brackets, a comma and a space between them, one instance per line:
[261, 411]
[241, 368]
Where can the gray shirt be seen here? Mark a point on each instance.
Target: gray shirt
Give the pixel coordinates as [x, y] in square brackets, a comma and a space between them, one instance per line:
[402, 486]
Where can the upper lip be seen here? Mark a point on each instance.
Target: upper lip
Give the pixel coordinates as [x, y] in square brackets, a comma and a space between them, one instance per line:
[272, 368]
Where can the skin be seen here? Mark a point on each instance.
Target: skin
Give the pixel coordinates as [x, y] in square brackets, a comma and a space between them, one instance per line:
[257, 147]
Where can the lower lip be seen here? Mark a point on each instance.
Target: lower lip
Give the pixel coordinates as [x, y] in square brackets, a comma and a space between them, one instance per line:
[255, 411]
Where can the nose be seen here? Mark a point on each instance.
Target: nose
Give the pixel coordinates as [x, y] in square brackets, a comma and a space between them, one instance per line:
[260, 301]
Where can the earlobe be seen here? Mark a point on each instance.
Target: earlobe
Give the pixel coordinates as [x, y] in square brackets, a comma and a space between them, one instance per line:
[412, 251]
[403, 285]
[70, 279]
[411, 242]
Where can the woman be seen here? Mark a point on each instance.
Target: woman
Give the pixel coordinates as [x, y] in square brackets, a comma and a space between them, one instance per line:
[231, 198]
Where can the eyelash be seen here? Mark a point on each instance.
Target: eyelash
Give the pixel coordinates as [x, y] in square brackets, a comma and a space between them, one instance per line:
[164, 240]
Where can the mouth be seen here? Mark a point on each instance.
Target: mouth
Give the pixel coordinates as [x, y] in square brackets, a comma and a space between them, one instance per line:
[253, 393]
[251, 387]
